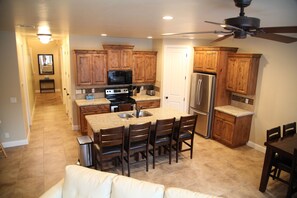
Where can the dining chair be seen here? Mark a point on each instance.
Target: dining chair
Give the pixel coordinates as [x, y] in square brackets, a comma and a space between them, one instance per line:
[279, 163]
[289, 129]
[162, 135]
[293, 176]
[185, 133]
[125, 107]
[110, 146]
[138, 142]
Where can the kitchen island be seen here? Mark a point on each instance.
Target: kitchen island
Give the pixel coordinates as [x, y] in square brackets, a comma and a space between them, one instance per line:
[109, 120]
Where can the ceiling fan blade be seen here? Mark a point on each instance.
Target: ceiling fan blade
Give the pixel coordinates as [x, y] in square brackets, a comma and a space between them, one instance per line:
[225, 26]
[222, 38]
[276, 37]
[204, 32]
[285, 29]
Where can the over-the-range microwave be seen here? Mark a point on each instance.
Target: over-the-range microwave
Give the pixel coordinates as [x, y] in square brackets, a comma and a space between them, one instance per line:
[119, 77]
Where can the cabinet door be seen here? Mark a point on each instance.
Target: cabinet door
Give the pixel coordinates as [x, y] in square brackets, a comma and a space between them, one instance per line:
[114, 59]
[228, 132]
[211, 60]
[138, 68]
[126, 59]
[232, 74]
[150, 68]
[84, 69]
[243, 65]
[199, 59]
[218, 128]
[99, 69]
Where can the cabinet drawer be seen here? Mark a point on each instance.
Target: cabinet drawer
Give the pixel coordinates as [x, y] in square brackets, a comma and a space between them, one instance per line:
[225, 116]
[95, 109]
[148, 104]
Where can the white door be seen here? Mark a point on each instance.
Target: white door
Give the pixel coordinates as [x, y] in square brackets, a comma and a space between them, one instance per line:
[175, 75]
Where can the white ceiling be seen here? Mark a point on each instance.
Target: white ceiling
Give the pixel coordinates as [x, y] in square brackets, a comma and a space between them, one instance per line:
[136, 18]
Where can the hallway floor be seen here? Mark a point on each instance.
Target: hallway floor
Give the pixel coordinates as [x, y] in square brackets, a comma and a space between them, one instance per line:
[215, 169]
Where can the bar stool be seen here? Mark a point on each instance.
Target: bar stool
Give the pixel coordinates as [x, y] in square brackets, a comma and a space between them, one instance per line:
[2, 150]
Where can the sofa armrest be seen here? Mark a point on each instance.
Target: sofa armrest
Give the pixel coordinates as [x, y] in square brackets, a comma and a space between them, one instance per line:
[183, 193]
[55, 191]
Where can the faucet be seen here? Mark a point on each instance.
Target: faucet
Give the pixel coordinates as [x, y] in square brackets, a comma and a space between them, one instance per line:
[138, 111]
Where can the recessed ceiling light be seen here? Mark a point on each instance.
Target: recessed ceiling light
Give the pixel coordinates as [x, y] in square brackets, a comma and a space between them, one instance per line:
[167, 17]
[103, 34]
[149, 37]
[167, 34]
[220, 35]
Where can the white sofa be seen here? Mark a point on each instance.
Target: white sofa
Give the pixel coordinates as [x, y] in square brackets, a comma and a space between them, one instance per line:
[85, 182]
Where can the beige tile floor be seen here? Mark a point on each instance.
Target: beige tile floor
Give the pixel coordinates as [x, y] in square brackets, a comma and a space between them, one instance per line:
[215, 169]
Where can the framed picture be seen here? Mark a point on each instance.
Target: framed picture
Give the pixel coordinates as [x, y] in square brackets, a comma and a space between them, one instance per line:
[46, 64]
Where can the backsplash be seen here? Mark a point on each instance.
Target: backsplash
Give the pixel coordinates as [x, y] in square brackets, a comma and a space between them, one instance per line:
[243, 101]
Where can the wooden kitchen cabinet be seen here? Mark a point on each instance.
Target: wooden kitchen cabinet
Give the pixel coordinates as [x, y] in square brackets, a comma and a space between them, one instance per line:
[90, 110]
[147, 104]
[144, 66]
[90, 67]
[119, 57]
[214, 60]
[242, 73]
[211, 59]
[230, 130]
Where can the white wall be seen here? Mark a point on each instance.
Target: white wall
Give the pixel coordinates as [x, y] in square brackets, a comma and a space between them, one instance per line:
[276, 95]
[11, 114]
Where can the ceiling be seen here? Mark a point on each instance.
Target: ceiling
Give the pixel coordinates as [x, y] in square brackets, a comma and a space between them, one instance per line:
[135, 18]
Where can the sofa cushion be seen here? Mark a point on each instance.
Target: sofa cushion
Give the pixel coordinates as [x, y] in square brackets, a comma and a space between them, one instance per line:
[85, 182]
[183, 193]
[126, 187]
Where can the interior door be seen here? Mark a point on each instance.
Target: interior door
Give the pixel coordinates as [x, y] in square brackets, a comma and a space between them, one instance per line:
[175, 76]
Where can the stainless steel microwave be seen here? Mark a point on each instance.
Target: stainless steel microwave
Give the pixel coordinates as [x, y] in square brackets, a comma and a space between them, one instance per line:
[119, 77]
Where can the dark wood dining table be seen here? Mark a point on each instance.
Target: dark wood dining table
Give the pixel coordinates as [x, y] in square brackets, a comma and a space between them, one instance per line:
[284, 147]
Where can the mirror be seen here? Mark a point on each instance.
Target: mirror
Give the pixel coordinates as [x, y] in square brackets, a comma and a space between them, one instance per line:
[46, 64]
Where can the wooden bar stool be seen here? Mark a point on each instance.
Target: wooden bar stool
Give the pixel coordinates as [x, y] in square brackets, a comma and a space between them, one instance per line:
[2, 150]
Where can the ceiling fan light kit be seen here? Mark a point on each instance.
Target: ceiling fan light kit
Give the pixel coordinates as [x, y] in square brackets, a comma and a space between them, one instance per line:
[241, 26]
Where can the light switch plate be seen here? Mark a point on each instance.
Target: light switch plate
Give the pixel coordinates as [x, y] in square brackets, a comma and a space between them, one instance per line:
[13, 100]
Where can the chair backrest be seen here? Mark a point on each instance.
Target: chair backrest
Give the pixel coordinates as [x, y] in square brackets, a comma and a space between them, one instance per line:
[139, 132]
[125, 107]
[111, 136]
[289, 129]
[273, 134]
[187, 123]
[164, 127]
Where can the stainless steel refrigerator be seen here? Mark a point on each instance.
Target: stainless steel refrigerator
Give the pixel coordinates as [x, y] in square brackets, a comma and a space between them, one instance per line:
[202, 101]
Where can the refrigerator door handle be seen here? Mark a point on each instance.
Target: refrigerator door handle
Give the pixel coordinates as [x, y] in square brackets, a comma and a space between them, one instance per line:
[199, 91]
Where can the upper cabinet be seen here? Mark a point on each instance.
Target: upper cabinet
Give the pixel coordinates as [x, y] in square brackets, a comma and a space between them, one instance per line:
[211, 59]
[91, 67]
[144, 66]
[119, 57]
[242, 73]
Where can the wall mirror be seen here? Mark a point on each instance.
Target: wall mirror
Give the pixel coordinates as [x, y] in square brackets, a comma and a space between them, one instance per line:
[46, 64]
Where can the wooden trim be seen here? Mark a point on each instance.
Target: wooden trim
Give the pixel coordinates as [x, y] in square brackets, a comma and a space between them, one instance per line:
[109, 47]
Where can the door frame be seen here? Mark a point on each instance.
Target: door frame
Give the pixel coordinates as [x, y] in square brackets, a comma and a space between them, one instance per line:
[188, 72]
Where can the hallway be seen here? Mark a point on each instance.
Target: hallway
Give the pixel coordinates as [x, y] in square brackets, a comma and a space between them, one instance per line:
[30, 170]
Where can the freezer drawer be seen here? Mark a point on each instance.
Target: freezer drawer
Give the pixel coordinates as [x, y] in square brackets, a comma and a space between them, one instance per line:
[203, 124]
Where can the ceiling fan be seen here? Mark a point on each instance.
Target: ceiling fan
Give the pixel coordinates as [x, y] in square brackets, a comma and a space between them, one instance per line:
[241, 26]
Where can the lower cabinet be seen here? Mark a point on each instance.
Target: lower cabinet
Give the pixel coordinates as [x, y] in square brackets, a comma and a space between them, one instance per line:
[90, 110]
[230, 130]
[147, 104]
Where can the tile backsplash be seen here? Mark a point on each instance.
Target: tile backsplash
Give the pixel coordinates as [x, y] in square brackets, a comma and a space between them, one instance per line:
[243, 101]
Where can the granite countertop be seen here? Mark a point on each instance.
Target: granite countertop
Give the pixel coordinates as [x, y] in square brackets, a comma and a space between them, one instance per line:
[145, 97]
[98, 101]
[235, 111]
[109, 120]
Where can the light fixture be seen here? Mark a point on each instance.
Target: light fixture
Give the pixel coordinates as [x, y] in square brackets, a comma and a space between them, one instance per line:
[103, 34]
[167, 17]
[149, 37]
[44, 38]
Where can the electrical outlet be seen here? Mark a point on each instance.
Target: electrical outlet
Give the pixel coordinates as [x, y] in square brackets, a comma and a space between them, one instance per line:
[6, 135]
[13, 100]
[246, 101]
[78, 91]
[83, 91]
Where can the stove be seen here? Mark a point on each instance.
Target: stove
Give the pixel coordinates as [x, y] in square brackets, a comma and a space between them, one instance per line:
[118, 96]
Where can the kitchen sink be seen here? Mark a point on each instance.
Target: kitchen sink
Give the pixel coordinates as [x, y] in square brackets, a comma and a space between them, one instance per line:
[142, 114]
[125, 115]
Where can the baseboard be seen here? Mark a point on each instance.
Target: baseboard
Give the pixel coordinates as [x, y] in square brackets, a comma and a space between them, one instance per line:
[256, 146]
[15, 143]
[75, 127]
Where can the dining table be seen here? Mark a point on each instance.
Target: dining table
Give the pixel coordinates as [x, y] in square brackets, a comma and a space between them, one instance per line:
[284, 147]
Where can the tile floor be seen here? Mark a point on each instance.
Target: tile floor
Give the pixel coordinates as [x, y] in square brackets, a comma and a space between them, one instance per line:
[215, 169]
